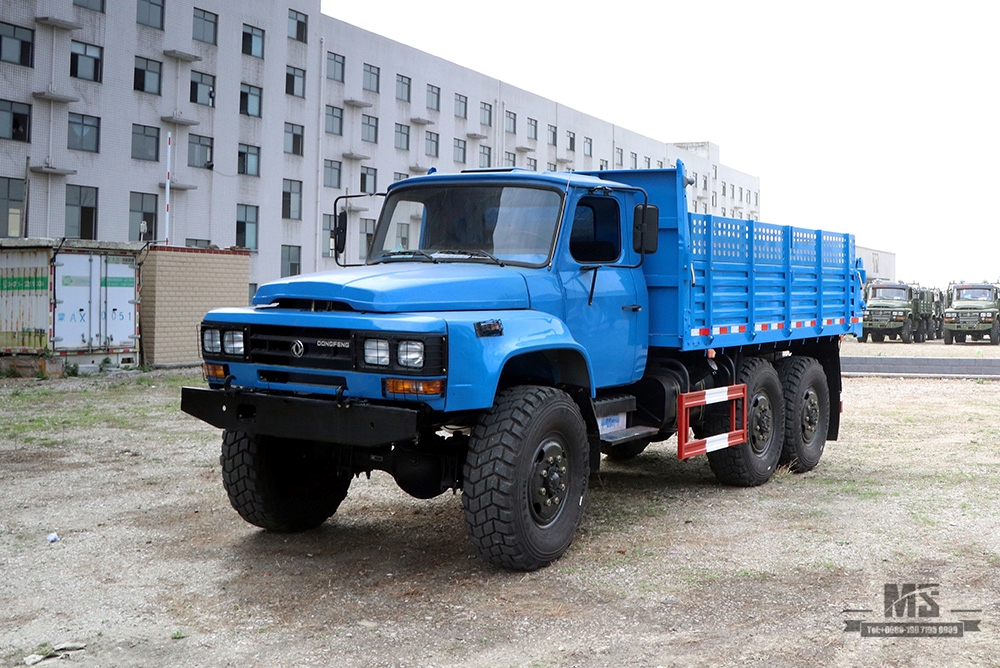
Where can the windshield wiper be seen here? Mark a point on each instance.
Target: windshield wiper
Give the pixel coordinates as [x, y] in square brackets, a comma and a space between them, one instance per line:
[472, 253]
[399, 254]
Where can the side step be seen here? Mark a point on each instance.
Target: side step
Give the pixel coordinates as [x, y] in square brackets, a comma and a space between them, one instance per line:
[630, 434]
[612, 418]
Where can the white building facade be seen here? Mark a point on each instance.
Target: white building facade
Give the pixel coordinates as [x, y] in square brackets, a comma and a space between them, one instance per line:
[270, 112]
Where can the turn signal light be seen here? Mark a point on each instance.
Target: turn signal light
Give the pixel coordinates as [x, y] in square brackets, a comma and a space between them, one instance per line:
[215, 372]
[413, 386]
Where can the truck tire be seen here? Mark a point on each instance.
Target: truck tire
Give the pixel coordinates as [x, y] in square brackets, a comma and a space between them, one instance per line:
[906, 333]
[525, 477]
[807, 411]
[995, 333]
[948, 337]
[753, 462]
[960, 337]
[281, 484]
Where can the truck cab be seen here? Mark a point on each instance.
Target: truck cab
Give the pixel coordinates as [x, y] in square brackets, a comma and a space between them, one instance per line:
[972, 313]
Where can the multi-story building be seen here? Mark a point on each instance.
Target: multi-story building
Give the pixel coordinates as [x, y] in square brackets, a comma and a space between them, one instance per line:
[210, 122]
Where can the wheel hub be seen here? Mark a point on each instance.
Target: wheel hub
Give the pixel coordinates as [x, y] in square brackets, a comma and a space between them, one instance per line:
[548, 488]
[761, 424]
[810, 415]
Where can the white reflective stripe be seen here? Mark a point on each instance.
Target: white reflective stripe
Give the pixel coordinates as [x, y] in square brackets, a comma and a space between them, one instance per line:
[716, 395]
[717, 442]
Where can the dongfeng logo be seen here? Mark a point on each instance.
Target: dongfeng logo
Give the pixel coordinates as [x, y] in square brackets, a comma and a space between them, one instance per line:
[298, 348]
[329, 343]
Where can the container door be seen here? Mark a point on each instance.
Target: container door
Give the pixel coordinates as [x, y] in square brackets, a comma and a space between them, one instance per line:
[77, 297]
[118, 299]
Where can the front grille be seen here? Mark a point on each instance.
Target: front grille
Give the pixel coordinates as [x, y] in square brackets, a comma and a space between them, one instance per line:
[968, 318]
[310, 348]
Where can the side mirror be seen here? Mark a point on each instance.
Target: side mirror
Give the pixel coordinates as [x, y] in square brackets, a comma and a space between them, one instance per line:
[646, 228]
[340, 233]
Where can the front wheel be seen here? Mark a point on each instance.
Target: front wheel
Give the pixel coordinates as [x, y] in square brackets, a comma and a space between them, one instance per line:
[949, 338]
[995, 333]
[753, 462]
[906, 333]
[525, 477]
[281, 484]
[807, 411]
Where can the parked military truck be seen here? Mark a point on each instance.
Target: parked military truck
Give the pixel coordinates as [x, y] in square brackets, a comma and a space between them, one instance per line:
[898, 310]
[972, 313]
[534, 321]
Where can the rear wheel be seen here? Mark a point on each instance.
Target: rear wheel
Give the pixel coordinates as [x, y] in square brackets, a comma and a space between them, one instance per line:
[525, 477]
[807, 411]
[753, 462]
[281, 484]
[960, 337]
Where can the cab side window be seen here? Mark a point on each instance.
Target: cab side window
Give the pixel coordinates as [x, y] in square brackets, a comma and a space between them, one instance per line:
[596, 234]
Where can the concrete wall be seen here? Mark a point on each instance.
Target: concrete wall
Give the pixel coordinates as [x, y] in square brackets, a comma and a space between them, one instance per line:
[179, 285]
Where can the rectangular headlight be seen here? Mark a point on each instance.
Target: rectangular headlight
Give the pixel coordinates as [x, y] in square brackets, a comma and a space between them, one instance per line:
[211, 341]
[377, 352]
[232, 342]
[411, 354]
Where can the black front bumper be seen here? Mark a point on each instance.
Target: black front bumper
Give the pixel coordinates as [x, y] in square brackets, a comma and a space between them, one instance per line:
[300, 417]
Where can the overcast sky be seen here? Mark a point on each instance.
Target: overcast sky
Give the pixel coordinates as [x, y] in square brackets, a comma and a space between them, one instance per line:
[876, 117]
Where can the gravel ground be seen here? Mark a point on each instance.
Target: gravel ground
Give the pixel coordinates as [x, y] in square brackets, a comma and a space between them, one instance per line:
[153, 568]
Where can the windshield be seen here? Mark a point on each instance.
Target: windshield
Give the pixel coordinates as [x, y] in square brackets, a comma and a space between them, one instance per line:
[895, 294]
[975, 294]
[463, 223]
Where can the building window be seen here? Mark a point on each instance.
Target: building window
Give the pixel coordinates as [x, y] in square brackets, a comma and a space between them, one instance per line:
[145, 143]
[81, 212]
[141, 217]
[570, 141]
[248, 160]
[200, 151]
[334, 66]
[403, 236]
[367, 234]
[485, 156]
[84, 133]
[329, 221]
[433, 97]
[17, 45]
[370, 79]
[552, 137]
[402, 88]
[510, 122]
[85, 61]
[147, 75]
[532, 128]
[459, 153]
[291, 199]
[150, 13]
[431, 144]
[402, 137]
[298, 26]
[253, 41]
[633, 161]
[250, 100]
[509, 159]
[551, 166]
[619, 157]
[461, 106]
[294, 139]
[96, 5]
[486, 114]
[334, 120]
[295, 81]
[588, 146]
[399, 176]
[246, 226]
[206, 26]
[603, 164]
[715, 198]
[197, 243]
[646, 162]
[331, 173]
[291, 261]
[11, 207]
[202, 88]
[369, 128]
[15, 121]
[369, 180]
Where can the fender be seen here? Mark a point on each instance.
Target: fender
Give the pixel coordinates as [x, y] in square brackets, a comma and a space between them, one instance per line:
[477, 362]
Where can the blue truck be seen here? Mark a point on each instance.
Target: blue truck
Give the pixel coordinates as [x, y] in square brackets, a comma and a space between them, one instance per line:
[507, 329]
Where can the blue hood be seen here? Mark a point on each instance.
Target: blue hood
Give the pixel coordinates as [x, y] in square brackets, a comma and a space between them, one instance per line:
[406, 287]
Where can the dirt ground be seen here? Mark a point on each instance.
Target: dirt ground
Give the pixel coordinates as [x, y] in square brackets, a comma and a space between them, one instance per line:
[153, 568]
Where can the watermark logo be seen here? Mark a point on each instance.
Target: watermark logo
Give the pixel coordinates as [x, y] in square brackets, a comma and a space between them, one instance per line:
[912, 610]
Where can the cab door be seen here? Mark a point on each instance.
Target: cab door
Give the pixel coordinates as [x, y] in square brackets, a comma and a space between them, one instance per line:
[605, 294]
